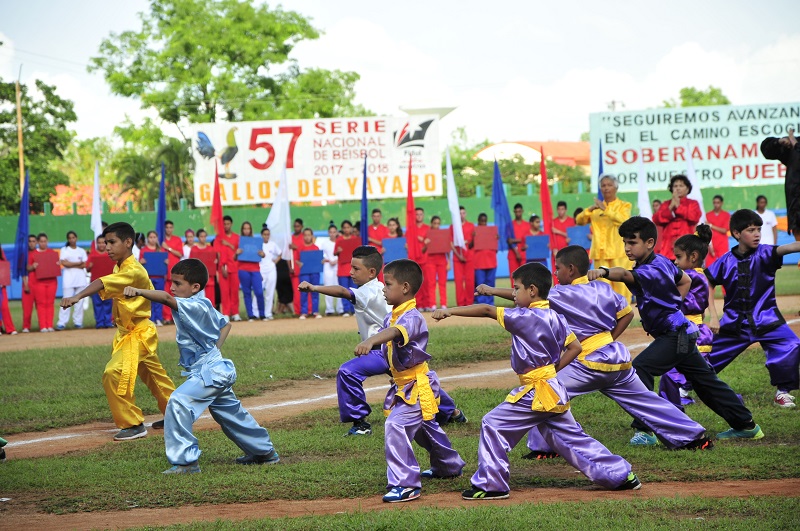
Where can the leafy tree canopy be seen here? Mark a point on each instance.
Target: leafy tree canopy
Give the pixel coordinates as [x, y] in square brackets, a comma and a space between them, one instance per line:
[692, 97]
[209, 60]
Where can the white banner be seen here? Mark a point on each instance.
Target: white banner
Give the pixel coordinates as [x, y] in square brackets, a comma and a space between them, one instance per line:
[723, 143]
[324, 158]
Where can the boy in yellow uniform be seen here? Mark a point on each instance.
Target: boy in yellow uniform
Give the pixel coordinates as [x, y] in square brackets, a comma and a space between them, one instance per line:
[134, 350]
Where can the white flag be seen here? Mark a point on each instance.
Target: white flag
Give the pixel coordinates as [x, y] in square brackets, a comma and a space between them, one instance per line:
[279, 220]
[695, 193]
[96, 223]
[645, 207]
[452, 202]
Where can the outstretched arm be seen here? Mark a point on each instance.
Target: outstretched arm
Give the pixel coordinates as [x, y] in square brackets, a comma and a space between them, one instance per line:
[475, 310]
[153, 295]
[91, 289]
[505, 293]
[788, 248]
[331, 291]
[384, 336]
[615, 274]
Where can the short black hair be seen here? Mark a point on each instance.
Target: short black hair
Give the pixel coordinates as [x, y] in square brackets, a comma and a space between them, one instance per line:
[370, 256]
[193, 270]
[227, 218]
[561, 203]
[41, 234]
[759, 198]
[741, 219]
[420, 209]
[518, 205]
[680, 177]
[346, 222]
[696, 243]
[577, 211]
[461, 207]
[308, 229]
[638, 225]
[298, 220]
[199, 231]
[122, 230]
[405, 270]
[31, 236]
[376, 211]
[98, 238]
[535, 274]
[483, 215]
[574, 255]
[718, 197]
[168, 222]
[435, 217]
[533, 218]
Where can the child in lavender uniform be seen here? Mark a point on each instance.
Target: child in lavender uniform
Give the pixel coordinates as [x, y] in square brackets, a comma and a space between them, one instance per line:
[412, 398]
[541, 344]
[659, 287]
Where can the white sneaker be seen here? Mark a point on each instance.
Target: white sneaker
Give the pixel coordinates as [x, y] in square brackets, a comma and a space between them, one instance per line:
[159, 322]
[302, 317]
[784, 400]
[345, 315]
[236, 318]
[13, 333]
[25, 331]
[317, 316]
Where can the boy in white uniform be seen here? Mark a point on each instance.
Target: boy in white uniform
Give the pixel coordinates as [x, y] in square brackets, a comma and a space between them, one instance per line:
[73, 280]
[269, 273]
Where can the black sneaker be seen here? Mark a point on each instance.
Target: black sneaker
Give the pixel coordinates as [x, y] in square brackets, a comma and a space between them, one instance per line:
[158, 425]
[128, 434]
[632, 483]
[268, 459]
[536, 454]
[478, 494]
[703, 443]
[430, 474]
[359, 428]
[458, 416]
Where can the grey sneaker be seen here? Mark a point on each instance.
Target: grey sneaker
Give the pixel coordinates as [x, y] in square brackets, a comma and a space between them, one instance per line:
[268, 459]
[128, 434]
[191, 468]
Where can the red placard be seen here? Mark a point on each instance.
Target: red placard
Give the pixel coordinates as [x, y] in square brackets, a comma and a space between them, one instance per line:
[101, 264]
[209, 259]
[49, 265]
[5, 273]
[439, 241]
[485, 238]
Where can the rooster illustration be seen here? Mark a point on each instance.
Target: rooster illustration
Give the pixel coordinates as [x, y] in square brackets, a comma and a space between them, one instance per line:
[207, 151]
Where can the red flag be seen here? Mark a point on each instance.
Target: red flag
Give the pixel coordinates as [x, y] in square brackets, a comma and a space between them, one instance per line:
[412, 242]
[544, 197]
[216, 205]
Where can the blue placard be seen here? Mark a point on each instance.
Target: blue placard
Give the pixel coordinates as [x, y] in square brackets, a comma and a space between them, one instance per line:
[579, 235]
[538, 248]
[250, 245]
[312, 262]
[394, 249]
[155, 264]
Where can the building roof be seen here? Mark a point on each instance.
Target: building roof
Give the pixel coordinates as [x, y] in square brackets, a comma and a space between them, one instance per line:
[568, 153]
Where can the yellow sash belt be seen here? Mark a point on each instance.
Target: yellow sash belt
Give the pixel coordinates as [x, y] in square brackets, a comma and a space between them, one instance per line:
[128, 341]
[422, 391]
[696, 318]
[545, 397]
[592, 343]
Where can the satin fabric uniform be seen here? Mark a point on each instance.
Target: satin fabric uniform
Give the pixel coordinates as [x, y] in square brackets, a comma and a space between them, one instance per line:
[210, 378]
[751, 314]
[608, 250]
[591, 308]
[134, 350]
[538, 336]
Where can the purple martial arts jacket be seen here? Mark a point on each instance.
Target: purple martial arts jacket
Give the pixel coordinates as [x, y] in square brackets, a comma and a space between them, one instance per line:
[749, 282]
[694, 306]
[657, 296]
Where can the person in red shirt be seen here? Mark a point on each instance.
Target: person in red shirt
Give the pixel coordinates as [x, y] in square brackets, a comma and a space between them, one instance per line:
[561, 223]
[28, 287]
[343, 248]
[309, 303]
[202, 245]
[425, 299]
[173, 246]
[250, 280]
[463, 266]
[485, 265]
[719, 220]
[377, 231]
[679, 216]
[227, 245]
[437, 267]
[5, 311]
[43, 289]
[152, 246]
[100, 264]
[516, 245]
[294, 272]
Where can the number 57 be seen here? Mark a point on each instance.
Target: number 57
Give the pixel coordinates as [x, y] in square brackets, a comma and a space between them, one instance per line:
[256, 144]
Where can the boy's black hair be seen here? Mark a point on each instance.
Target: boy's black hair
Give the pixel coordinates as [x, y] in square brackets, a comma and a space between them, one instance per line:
[574, 255]
[533, 218]
[577, 211]
[645, 229]
[309, 229]
[680, 177]
[101, 236]
[537, 275]
[193, 270]
[483, 215]
[696, 243]
[122, 230]
[435, 217]
[741, 219]
[38, 236]
[518, 205]
[168, 222]
[298, 220]
[31, 236]
[561, 203]
[405, 270]
[718, 197]
[376, 210]
[227, 218]
[419, 208]
[370, 256]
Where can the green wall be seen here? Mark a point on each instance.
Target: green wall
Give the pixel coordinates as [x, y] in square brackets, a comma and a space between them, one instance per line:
[318, 217]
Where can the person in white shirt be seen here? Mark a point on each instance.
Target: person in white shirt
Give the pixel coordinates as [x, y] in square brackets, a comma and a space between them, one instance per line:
[187, 247]
[769, 230]
[73, 280]
[269, 273]
[333, 305]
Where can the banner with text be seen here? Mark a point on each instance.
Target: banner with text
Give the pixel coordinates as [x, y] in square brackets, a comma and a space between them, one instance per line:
[324, 158]
[723, 142]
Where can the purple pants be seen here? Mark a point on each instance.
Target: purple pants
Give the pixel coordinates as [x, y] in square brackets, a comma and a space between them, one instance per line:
[781, 347]
[353, 404]
[669, 423]
[403, 425]
[504, 426]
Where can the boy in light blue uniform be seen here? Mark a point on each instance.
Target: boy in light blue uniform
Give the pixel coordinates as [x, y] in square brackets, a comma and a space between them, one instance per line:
[201, 331]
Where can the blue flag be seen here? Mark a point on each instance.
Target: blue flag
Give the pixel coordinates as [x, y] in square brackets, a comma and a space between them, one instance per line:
[502, 215]
[161, 215]
[600, 172]
[23, 227]
[364, 220]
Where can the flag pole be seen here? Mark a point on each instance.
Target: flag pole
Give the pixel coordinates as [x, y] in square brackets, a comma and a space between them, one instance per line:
[19, 136]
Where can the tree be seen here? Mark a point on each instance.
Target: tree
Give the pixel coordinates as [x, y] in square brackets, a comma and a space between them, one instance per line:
[692, 97]
[205, 60]
[45, 116]
[79, 161]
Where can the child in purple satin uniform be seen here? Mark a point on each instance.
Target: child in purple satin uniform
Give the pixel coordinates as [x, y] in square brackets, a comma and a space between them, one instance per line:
[690, 253]
[412, 398]
[659, 287]
[750, 313]
[541, 344]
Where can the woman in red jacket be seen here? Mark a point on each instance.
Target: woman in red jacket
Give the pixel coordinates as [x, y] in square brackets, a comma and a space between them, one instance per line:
[677, 217]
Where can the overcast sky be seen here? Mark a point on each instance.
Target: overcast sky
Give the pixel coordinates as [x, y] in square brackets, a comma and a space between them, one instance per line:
[515, 69]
